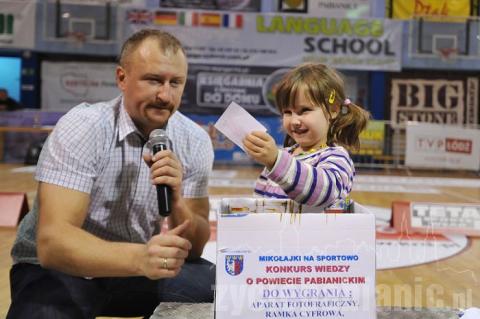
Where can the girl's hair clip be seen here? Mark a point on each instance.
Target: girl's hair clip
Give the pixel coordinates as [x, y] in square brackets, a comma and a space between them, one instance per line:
[331, 98]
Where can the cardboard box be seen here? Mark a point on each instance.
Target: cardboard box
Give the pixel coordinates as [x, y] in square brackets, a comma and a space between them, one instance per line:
[287, 264]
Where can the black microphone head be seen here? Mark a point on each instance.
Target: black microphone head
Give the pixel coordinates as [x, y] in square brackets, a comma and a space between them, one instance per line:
[158, 136]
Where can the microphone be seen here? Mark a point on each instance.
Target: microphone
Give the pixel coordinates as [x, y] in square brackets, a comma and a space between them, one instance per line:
[159, 142]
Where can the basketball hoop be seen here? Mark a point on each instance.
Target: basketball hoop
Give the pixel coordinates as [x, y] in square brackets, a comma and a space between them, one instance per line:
[77, 38]
[447, 54]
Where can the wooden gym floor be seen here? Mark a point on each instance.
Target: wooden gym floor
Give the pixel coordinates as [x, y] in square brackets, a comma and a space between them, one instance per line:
[452, 282]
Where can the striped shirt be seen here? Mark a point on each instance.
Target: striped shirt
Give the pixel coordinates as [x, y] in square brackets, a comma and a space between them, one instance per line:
[321, 179]
[97, 149]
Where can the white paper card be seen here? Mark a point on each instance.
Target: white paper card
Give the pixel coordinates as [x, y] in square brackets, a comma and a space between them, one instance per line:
[236, 123]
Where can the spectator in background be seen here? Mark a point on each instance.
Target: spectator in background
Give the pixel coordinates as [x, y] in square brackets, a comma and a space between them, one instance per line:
[7, 103]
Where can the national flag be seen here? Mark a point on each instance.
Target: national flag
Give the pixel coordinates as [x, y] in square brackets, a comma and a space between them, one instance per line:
[139, 16]
[165, 18]
[188, 18]
[210, 20]
[231, 20]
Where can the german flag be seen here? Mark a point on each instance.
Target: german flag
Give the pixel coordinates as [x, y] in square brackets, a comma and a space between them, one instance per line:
[166, 18]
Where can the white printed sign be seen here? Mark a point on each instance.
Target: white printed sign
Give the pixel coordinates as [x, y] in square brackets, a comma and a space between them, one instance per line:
[272, 265]
[442, 146]
[442, 217]
[65, 85]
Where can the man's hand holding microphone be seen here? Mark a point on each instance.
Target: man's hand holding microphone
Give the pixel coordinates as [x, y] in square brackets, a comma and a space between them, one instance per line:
[165, 253]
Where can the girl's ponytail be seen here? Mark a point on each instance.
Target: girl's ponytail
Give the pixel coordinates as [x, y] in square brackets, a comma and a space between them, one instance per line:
[347, 125]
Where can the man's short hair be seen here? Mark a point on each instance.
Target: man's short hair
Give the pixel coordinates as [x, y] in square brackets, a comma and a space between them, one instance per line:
[166, 41]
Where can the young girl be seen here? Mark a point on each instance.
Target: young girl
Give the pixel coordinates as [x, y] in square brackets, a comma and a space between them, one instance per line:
[314, 168]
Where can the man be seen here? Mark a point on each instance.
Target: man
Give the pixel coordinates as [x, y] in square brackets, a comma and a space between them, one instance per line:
[91, 244]
[7, 103]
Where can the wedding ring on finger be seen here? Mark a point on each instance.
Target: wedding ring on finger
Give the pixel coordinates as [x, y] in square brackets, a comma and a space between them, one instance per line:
[165, 265]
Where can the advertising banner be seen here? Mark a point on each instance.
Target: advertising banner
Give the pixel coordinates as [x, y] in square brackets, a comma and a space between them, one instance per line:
[438, 98]
[406, 9]
[340, 8]
[273, 263]
[66, 84]
[442, 146]
[17, 24]
[436, 218]
[210, 88]
[254, 39]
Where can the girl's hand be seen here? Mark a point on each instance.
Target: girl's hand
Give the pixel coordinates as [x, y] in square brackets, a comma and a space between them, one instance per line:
[261, 147]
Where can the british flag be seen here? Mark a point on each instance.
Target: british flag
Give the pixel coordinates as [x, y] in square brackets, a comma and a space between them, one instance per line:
[139, 16]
